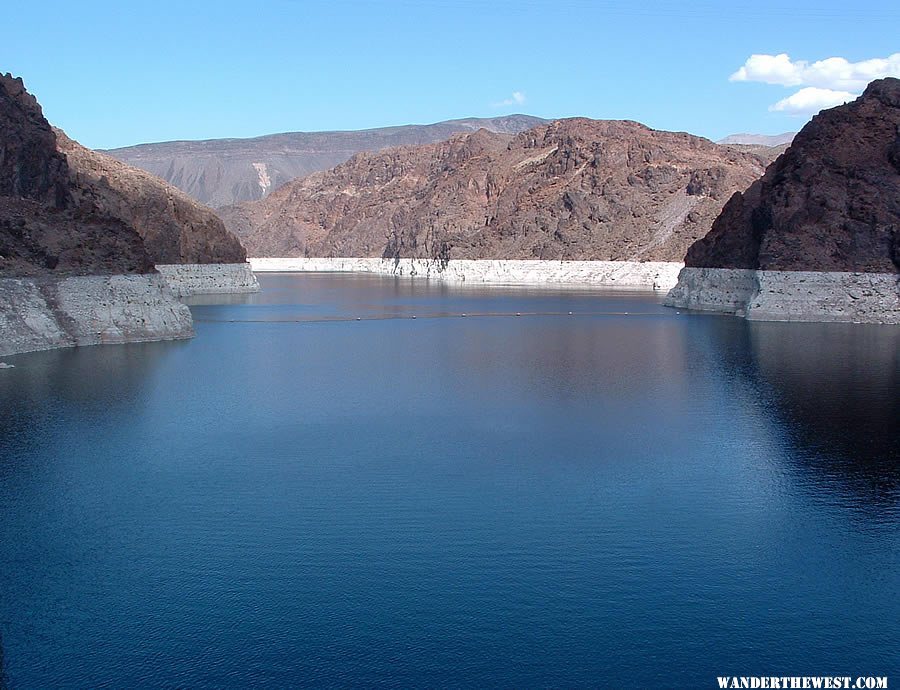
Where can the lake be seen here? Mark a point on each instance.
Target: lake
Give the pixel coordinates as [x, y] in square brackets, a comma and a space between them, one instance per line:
[623, 496]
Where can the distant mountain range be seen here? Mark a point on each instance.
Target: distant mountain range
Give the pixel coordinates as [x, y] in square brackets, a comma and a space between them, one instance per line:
[220, 172]
[759, 139]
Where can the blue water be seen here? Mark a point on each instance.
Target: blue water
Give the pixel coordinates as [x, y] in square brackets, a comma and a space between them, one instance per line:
[296, 497]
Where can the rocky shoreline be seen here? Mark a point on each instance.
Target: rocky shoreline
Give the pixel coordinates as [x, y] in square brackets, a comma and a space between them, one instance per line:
[656, 275]
[185, 280]
[814, 239]
[821, 296]
[49, 312]
[42, 313]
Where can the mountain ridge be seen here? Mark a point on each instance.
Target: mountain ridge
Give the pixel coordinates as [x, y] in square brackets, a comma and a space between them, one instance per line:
[220, 172]
[569, 189]
[750, 139]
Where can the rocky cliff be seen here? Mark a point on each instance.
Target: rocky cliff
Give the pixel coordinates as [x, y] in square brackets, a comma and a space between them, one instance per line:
[572, 189]
[45, 224]
[70, 273]
[175, 228]
[220, 172]
[825, 214]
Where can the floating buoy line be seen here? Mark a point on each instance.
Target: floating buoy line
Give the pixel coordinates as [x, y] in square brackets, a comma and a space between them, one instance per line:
[409, 317]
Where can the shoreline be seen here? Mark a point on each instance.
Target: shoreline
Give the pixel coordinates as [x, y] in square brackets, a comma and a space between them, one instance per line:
[186, 280]
[49, 312]
[52, 312]
[812, 296]
[654, 275]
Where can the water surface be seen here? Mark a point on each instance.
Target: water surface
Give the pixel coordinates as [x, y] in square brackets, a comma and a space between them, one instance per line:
[626, 496]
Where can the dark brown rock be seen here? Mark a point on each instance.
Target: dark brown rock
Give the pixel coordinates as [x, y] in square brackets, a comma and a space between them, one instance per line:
[30, 165]
[831, 202]
[175, 228]
[44, 228]
[571, 189]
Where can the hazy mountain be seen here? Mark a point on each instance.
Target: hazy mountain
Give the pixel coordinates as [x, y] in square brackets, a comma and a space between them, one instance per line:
[759, 139]
[219, 172]
[570, 189]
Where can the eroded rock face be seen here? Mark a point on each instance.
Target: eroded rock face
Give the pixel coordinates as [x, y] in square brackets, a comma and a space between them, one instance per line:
[831, 202]
[175, 228]
[45, 228]
[572, 189]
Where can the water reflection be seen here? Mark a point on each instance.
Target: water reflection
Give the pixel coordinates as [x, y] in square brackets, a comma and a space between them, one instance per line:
[836, 388]
[82, 386]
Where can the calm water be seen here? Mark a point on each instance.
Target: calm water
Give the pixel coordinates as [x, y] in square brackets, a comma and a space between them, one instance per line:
[602, 499]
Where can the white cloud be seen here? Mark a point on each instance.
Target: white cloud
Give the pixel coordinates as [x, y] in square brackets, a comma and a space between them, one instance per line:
[834, 73]
[516, 98]
[811, 100]
[826, 83]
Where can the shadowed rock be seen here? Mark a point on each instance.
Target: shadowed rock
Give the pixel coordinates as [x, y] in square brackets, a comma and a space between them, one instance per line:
[175, 228]
[831, 202]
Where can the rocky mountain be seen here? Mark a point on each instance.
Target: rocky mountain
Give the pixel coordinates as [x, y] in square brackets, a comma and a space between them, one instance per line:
[219, 172]
[46, 225]
[830, 203]
[817, 238]
[70, 272]
[570, 189]
[759, 139]
[175, 228]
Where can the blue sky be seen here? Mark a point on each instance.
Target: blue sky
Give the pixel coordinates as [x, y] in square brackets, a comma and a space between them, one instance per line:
[115, 73]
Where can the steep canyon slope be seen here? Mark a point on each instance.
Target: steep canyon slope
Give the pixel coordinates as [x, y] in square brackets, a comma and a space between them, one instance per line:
[575, 189]
[70, 272]
[830, 203]
[176, 229]
[46, 225]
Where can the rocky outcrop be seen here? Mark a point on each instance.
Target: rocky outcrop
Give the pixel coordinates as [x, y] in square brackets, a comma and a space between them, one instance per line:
[175, 228]
[829, 205]
[30, 165]
[220, 172]
[570, 190]
[70, 274]
[45, 225]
